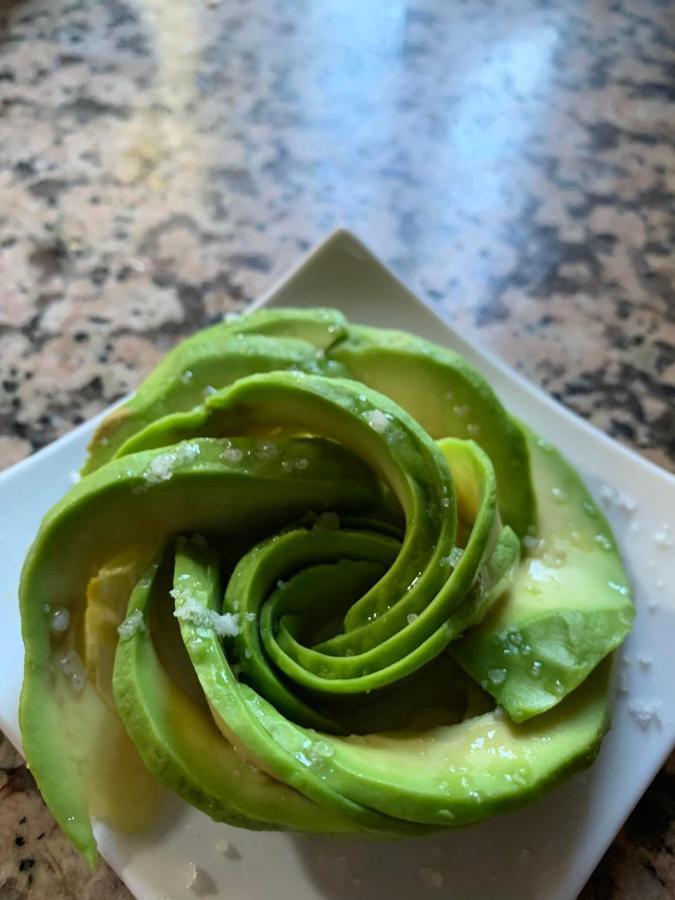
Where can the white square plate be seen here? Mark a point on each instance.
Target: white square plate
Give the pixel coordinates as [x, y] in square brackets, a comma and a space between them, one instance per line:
[547, 850]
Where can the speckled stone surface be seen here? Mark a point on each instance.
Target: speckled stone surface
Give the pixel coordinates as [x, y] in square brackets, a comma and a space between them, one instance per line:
[163, 161]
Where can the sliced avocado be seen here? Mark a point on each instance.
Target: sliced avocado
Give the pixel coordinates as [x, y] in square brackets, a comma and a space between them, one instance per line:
[335, 568]
[182, 747]
[215, 357]
[106, 608]
[448, 398]
[415, 609]
[202, 485]
[568, 607]
[478, 574]
[319, 326]
[460, 774]
[398, 781]
[371, 554]
[236, 707]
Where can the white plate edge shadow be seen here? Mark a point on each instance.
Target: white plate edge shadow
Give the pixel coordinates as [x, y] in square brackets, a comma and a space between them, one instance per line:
[579, 439]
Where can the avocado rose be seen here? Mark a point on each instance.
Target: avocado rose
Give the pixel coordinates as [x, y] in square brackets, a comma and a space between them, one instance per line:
[315, 577]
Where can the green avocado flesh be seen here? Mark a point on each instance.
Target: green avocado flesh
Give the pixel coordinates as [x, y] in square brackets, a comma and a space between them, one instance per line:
[316, 578]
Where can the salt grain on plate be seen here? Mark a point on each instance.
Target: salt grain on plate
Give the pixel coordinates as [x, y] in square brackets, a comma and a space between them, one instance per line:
[663, 536]
[625, 503]
[200, 882]
[228, 849]
[645, 712]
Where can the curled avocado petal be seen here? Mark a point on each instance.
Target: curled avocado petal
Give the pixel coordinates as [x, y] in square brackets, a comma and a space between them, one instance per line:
[452, 775]
[569, 604]
[317, 578]
[260, 342]
[448, 398]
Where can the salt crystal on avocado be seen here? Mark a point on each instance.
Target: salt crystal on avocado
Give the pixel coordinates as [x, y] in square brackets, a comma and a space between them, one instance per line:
[60, 621]
[377, 420]
[131, 625]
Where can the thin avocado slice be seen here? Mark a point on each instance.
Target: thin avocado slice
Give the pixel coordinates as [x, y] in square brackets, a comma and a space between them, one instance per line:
[460, 774]
[320, 326]
[106, 609]
[217, 356]
[449, 399]
[569, 604]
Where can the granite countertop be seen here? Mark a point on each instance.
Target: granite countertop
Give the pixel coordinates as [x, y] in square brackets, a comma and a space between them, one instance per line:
[164, 161]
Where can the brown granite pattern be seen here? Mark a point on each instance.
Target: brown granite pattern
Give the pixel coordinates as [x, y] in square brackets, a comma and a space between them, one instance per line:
[162, 162]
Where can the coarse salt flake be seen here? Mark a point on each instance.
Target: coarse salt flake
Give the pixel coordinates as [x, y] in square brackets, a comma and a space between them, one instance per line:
[327, 521]
[60, 621]
[225, 625]
[133, 623]
[161, 467]
[232, 454]
[377, 420]
[192, 611]
[645, 712]
[663, 536]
